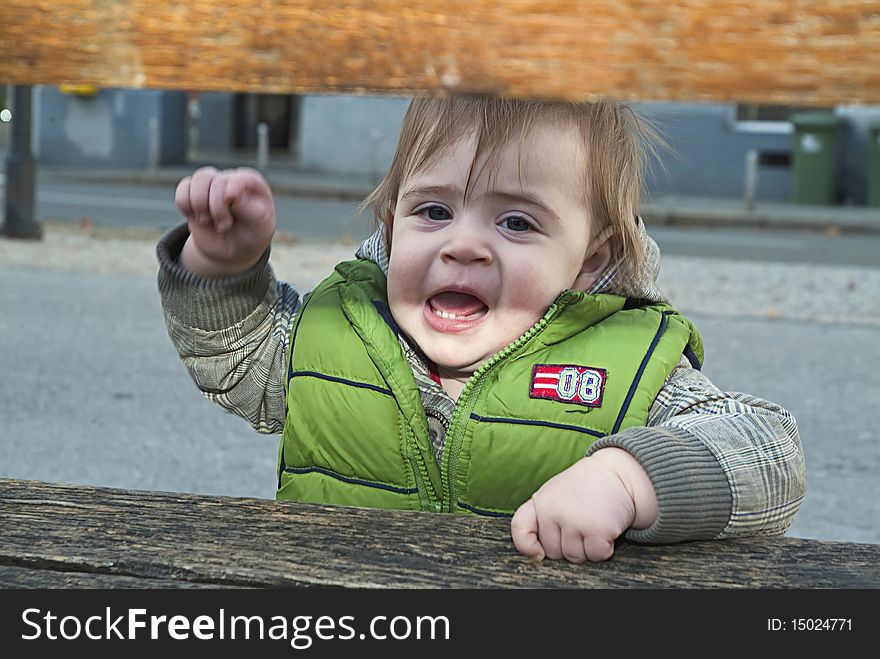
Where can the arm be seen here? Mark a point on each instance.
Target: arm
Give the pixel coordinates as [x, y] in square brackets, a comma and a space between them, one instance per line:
[228, 319]
[709, 465]
[722, 464]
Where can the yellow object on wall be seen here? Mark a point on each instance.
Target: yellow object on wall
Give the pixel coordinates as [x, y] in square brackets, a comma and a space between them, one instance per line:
[78, 90]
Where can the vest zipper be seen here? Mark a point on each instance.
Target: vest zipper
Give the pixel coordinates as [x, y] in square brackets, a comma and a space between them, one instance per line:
[466, 401]
[427, 496]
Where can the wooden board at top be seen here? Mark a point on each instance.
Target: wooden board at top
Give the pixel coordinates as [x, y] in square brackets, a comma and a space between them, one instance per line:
[800, 52]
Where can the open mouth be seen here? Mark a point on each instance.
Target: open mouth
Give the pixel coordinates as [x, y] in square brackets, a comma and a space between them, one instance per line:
[452, 311]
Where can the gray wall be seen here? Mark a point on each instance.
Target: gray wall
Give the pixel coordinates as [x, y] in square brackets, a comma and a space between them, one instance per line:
[110, 129]
[216, 122]
[710, 149]
[709, 153]
[358, 134]
[350, 134]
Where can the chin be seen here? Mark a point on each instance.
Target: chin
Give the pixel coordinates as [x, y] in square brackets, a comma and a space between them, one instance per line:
[452, 361]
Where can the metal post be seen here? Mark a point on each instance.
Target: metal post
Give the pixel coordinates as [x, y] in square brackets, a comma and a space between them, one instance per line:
[262, 147]
[153, 145]
[19, 205]
[192, 151]
[751, 184]
[193, 116]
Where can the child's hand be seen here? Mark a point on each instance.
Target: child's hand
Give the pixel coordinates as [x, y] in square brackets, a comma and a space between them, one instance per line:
[580, 512]
[231, 218]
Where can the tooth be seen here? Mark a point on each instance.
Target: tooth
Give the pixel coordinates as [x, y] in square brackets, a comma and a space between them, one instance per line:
[448, 315]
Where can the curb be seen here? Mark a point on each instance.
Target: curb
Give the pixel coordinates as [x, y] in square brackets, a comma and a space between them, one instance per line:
[306, 187]
[815, 218]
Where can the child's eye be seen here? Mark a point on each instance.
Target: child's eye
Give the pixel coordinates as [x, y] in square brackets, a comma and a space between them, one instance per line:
[434, 213]
[516, 223]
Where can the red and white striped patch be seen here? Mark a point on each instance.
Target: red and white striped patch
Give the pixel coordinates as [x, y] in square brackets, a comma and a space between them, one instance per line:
[568, 383]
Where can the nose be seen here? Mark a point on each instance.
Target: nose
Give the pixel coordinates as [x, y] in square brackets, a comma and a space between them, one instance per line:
[466, 243]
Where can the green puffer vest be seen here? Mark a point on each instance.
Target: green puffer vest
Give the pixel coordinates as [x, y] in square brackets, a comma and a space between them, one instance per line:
[356, 432]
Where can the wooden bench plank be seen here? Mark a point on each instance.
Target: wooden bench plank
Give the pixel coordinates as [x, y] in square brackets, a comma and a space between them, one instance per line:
[806, 52]
[35, 577]
[250, 542]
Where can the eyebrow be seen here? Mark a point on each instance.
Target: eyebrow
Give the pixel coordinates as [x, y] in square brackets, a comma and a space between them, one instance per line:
[431, 191]
[500, 195]
[514, 197]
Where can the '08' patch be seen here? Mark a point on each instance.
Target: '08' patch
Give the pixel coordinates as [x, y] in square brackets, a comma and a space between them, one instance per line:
[568, 383]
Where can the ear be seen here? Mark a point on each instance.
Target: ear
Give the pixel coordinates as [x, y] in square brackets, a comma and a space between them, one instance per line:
[596, 261]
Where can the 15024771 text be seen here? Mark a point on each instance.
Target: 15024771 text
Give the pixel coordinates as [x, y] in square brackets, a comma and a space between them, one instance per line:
[809, 624]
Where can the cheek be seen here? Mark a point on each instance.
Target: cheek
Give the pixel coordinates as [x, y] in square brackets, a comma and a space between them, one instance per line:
[404, 267]
[404, 277]
[532, 288]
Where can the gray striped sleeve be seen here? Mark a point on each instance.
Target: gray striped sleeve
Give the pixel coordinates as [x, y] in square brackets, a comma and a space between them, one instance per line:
[693, 495]
[231, 333]
[722, 464]
[209, 304]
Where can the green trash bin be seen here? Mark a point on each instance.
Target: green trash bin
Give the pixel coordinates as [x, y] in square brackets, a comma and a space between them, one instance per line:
[873, 196]
[814, 157]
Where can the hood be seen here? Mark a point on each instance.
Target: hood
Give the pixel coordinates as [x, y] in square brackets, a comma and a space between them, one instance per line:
[614, 280]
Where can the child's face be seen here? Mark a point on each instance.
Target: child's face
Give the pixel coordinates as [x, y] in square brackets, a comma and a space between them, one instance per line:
[467, 278]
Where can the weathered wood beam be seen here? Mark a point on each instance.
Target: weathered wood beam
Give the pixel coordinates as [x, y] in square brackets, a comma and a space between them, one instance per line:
[38, 577]
[57, 531]
[804, 52]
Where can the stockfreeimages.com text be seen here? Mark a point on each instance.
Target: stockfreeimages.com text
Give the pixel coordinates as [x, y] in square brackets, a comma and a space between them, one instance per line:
[300, 631]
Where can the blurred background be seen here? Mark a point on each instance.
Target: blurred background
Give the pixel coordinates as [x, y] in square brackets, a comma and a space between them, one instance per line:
[744, 151]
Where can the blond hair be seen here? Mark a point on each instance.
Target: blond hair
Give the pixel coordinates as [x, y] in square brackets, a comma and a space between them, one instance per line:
[615, 141]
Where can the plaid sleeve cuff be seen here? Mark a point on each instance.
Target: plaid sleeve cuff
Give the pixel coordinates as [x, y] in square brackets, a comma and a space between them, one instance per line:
[693, 495]
[204, 303]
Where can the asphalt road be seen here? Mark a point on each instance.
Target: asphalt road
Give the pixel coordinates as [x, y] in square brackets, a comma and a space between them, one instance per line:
[123, 205]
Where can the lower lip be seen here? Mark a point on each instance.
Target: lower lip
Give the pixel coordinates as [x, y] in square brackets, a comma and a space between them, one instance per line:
[450, 325]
